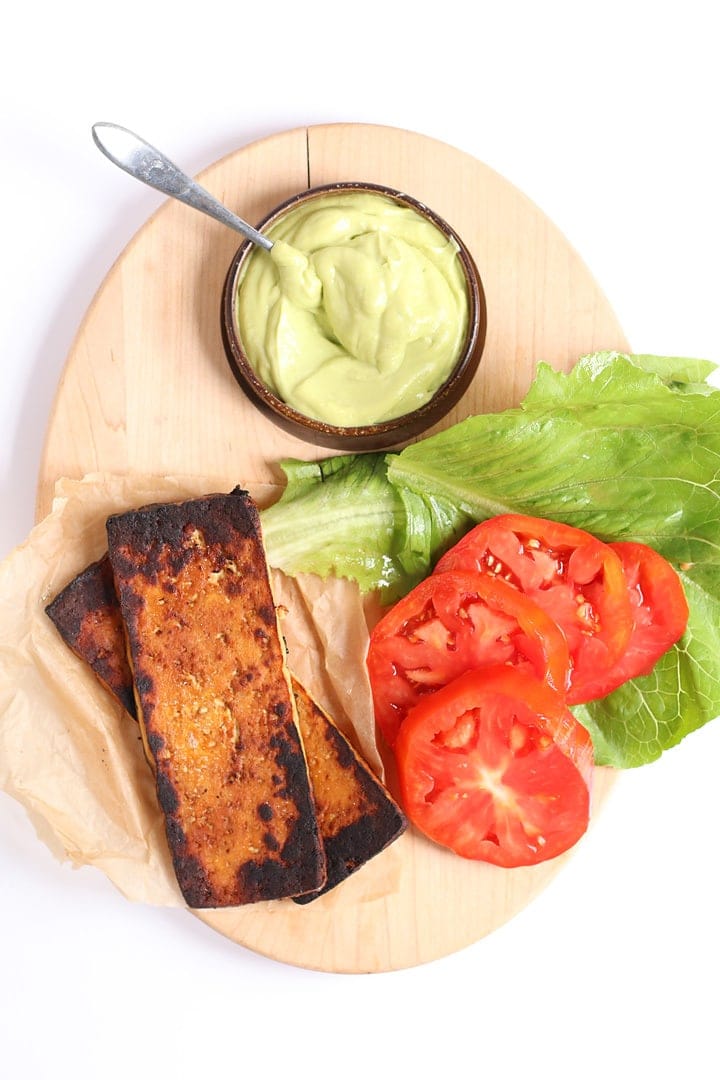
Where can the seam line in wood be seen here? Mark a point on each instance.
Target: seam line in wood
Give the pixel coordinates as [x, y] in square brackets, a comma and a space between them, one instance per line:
[307, 155]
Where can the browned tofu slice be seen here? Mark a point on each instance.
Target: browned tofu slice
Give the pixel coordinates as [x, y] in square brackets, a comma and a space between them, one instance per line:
[214, 700]
[87, 614]
[357, 816]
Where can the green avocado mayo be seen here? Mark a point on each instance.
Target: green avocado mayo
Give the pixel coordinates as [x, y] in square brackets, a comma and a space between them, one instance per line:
[359, 311]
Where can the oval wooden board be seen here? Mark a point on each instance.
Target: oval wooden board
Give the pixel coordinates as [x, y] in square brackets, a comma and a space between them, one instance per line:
[147, 389]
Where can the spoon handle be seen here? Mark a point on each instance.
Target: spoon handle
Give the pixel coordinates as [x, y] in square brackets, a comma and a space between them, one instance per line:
[145, 163]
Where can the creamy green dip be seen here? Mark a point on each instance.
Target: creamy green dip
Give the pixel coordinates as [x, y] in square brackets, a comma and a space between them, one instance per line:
[358, 313]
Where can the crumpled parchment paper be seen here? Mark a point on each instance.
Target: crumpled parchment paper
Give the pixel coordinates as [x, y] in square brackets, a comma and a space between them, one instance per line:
[69, 752]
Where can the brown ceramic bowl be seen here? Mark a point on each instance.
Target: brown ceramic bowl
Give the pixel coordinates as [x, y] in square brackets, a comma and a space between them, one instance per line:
[372, 436]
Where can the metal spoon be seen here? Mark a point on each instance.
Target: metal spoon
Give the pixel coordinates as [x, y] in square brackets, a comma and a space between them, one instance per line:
[145, 163]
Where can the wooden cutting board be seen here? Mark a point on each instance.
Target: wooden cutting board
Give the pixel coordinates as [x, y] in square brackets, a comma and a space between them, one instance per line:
[147, 388]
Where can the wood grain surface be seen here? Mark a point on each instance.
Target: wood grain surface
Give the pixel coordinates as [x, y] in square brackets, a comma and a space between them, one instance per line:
[146, 388]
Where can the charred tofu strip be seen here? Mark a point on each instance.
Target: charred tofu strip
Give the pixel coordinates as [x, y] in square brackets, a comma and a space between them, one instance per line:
[87, 615]
[357, 817]
[214, 700]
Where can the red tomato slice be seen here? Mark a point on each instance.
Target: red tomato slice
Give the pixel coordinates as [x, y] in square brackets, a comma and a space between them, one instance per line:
[449, 624]
[660, 615]
[495, 767]
[574, 577]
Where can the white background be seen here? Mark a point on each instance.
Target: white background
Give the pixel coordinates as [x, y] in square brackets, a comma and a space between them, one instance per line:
[606, 115]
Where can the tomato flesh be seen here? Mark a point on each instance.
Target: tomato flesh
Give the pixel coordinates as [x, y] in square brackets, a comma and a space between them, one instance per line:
[495, 767]
[660, 615]
[452, 623]
[571, 575]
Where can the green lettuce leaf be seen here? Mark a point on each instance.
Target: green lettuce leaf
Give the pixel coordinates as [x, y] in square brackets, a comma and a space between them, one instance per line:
[609, 448]
[625, 447]
[431, 525]
[339, 517]
[679, 372]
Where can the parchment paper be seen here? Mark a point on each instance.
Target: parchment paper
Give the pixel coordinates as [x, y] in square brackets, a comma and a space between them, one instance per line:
[69, 752]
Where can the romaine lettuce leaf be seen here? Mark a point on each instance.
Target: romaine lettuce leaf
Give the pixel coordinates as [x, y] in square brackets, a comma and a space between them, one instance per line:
[625, 447]
[339, 517]
[681, 373]
[609, 448]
